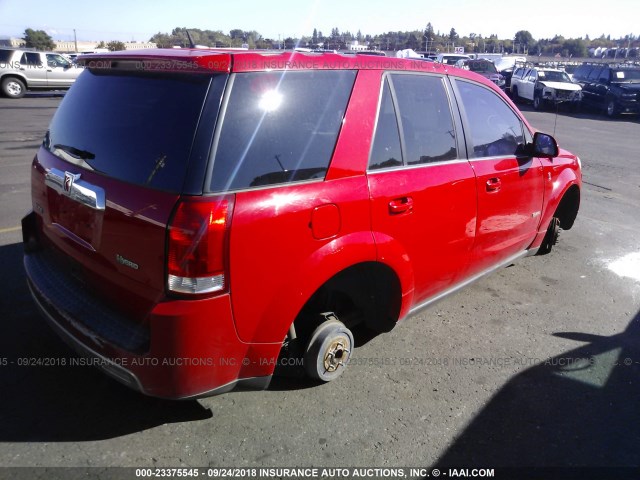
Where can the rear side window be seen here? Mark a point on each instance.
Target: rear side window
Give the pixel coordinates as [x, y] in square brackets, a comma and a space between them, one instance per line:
[495, 129]
[279, 127]
[427, 125]
[31, 59]
[422, 111]
[136, 127]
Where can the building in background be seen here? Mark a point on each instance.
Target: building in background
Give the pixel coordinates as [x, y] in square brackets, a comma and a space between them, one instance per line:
[69, 46]
[12, 42]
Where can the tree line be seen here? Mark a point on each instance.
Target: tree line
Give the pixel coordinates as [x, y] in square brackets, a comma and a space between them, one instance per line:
[427, 40]
[41, 40]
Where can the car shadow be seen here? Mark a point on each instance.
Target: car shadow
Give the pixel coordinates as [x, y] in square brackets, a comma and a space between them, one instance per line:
[56, 403]
[579, 409]
[50, 93]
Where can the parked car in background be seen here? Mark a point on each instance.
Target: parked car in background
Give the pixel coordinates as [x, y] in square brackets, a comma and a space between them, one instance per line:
[22, 70]
[610, 89]
[201, 218]
[483, 67]
[544, 86]
[506, 65]
[451, 58]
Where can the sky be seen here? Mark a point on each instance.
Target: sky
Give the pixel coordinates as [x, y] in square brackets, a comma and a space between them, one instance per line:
[133, 20]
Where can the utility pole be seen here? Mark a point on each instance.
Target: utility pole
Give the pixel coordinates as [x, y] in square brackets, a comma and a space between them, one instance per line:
[75, 40]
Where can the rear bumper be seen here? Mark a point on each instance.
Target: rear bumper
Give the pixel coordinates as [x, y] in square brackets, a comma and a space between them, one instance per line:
[187, 349]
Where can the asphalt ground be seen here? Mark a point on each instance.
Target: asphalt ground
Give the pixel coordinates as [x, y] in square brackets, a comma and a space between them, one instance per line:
[536, 365]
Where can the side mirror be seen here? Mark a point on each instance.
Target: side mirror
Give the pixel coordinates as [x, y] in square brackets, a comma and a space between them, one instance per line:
[543, 146]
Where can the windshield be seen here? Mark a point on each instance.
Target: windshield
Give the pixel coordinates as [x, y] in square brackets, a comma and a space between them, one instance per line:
[553, 76]
[136, 127]
[626, 75]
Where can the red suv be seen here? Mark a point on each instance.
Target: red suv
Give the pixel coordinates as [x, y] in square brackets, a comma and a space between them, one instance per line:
[203, 217]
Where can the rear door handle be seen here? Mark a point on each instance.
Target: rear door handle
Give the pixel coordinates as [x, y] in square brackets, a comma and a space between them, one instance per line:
[493, 184]
[400, 205]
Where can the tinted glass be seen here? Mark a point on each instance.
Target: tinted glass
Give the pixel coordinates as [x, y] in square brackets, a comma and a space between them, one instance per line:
[134, 127]
[482, 67]
[386, 151]
[495, 129]
[29, 58]
[426, 122]
[582, 72]
[280, 127]
[604, 75]
[594, 74]
[5, 56]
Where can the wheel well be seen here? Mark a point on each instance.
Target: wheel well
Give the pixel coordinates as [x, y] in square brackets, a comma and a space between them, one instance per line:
[365, 294]
[567, 210]
[13, 75]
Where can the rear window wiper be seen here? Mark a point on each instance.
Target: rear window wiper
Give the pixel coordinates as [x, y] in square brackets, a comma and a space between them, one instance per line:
[76, 152]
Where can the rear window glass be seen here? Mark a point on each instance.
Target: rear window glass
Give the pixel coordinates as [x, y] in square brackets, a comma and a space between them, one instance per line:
[136, 127]
[5, 55]
[280, 127]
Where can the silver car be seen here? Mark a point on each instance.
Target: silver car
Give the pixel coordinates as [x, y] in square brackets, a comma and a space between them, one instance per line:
[22, 70]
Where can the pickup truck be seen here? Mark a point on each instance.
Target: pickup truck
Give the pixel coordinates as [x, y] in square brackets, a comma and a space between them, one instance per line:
[544, 86]
[611, 89]
[22, 70]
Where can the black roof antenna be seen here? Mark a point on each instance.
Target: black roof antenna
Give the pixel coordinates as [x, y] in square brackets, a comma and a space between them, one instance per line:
[191, 44]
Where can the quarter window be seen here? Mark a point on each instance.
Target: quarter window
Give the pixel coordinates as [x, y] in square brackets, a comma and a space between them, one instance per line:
[280, 127]
[386, 151]
[495, 130]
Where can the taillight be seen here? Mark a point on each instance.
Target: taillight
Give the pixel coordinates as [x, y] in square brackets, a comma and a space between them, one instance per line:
[197, 254]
